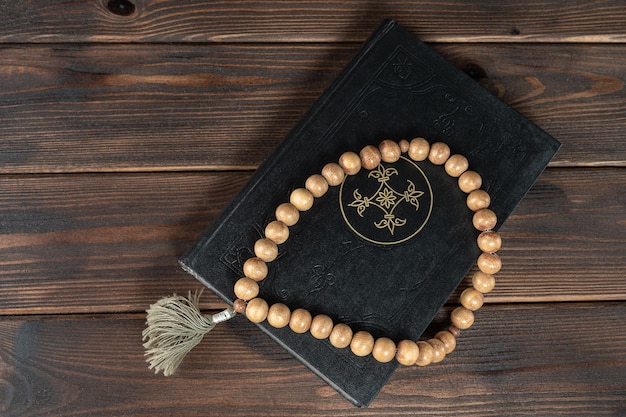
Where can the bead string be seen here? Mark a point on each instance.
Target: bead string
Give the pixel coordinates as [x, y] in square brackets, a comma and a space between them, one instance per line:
[362, 343]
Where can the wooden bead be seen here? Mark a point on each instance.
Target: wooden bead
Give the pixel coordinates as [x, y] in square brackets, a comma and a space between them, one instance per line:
[439, 350]
[425, 356]
[255, 268]
[301, 198]
[317, 185]
[462, 318]
[407, 352]
[384, 350]
[489, 241]
[456, 332]
[287, 213]
[321, 326]
[404, 145]
[419, 149]
[483, 282]
[277, 231]
[278, 315]
[439, 153]
[489, 263]
[246, 288]
[389, 151]
[478, 199]
[333, 174]
[266, 249]
[470, 181]
[472, 299]
[362, 343]
[239, 306]
[300, 321]
[448, 340]
[341, 336]
[257, 310]
[456, 165]
[350, 162]
[370, 157]
[484, 219]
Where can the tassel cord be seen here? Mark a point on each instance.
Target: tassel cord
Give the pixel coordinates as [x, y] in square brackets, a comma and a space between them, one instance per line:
[175, 325]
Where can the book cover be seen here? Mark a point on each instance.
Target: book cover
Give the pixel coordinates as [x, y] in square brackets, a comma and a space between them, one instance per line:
[349, 263]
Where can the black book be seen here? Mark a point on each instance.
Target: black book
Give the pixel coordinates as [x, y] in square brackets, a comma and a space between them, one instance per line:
[349, 263]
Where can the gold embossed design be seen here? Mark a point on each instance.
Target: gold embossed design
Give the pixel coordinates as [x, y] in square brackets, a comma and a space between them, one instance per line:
[386, 199]
[396, 201]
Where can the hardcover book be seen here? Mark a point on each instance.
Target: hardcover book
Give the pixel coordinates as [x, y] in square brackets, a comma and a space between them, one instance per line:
[360, 265]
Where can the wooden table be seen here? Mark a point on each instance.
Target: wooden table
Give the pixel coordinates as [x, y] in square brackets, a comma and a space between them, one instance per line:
[127, 125]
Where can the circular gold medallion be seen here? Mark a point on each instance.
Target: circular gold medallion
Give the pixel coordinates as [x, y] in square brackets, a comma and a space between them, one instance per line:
[389, 204]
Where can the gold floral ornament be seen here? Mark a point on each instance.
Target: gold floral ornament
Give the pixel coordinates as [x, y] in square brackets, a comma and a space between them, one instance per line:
[386, 198]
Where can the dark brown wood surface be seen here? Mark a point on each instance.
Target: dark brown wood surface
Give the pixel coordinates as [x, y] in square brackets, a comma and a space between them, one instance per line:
[86, 108]
[517, 356]
[126, 126]
[46, 21]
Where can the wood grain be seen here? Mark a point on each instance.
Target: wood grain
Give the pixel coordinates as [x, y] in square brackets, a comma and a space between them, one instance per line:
[98, 243]
[89, 237]
[313, 21]
[95, 108]
[71, 365]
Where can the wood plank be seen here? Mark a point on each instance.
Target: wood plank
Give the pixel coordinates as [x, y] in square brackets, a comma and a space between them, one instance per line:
[313, 21]
[517, 360]
[87, 240]
[106, 108]
[106, 243]
[93, 108]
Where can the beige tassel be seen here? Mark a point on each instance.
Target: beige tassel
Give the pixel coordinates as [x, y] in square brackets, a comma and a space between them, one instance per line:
[174, 326]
